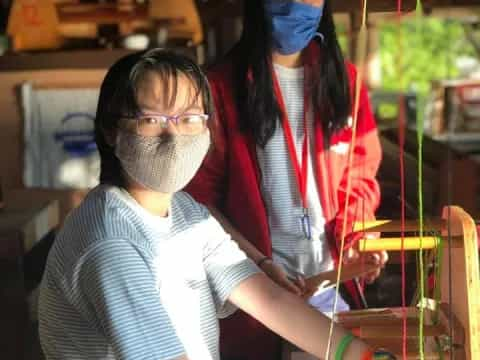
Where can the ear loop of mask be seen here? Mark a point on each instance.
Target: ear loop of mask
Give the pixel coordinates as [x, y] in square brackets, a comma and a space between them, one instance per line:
[321, 36]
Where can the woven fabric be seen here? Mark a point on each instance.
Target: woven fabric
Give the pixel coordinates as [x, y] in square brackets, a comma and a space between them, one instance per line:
[162, 164]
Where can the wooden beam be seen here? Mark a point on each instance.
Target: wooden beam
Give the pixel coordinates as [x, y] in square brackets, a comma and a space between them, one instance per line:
[374, 6]
[392, 327]
[99, 14]
[2, 204]
[233, 8]
[383, 328]
[211, 9]
[450, 322]
[451, 3]
[389, 226]
[395, 331]
[407, 5]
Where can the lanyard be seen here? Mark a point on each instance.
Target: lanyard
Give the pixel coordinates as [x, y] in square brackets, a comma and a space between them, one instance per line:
[300, 169]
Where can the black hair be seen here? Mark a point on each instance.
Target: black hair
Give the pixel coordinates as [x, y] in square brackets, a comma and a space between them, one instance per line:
[255, 99]
[118, 98]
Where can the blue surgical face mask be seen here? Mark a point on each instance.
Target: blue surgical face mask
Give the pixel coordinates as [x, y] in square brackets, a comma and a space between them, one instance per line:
[294, 24]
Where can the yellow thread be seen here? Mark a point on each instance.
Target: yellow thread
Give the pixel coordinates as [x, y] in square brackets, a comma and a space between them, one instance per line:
[360, 63]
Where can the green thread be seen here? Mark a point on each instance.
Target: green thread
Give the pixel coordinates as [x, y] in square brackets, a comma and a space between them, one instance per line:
[418, 12]
[346, 340]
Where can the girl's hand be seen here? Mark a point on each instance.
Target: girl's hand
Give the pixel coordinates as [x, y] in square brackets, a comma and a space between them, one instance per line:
[278, 275]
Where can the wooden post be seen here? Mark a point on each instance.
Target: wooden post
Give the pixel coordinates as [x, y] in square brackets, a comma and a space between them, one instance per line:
[355, 24]
[373, 73]
[460, 273]
[2, 204]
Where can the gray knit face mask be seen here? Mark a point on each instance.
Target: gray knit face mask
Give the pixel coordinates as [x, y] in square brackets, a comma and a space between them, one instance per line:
[163, 164]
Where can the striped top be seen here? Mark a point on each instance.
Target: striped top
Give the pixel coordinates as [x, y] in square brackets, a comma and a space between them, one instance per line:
[121, 283]
[280, 190]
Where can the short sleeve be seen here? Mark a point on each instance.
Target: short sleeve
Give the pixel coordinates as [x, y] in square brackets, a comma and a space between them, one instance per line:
[226, 266]
[117, 282]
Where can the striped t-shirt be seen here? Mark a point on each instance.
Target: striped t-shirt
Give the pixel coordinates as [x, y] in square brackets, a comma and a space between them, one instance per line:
[280, 190]
[121, 283]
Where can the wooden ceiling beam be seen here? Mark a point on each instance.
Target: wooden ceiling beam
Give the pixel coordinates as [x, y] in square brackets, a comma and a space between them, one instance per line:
[374, 6]
[451, 3]
[211, 9]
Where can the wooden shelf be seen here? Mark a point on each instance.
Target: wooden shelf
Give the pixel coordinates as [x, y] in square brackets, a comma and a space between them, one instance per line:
[67, 59]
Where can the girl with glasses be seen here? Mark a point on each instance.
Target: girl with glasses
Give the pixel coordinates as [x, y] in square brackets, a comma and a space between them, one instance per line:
[140, 270]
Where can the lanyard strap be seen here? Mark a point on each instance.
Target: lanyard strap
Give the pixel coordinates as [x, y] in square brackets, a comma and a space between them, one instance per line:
[300, 169]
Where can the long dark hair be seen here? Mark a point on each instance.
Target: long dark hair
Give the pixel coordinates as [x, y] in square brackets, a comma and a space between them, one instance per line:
[259, 110]
[118, 98]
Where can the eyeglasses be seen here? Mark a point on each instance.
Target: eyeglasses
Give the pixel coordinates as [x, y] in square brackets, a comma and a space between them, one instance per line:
[155, 124]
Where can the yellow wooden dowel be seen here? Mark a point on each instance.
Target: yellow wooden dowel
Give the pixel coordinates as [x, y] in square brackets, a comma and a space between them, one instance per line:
[395, 243]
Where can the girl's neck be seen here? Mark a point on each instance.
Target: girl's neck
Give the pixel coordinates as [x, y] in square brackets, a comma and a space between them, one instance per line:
[291, 61]
[154, 202]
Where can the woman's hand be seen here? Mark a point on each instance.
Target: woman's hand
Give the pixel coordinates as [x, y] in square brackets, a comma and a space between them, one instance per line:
[379, 258]
[279, 276]
[376, 257]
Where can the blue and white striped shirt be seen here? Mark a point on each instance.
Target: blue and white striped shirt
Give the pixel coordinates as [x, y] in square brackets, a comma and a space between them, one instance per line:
[291, 249]
[121, 283]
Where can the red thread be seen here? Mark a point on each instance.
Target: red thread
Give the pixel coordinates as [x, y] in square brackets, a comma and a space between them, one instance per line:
[367, 355]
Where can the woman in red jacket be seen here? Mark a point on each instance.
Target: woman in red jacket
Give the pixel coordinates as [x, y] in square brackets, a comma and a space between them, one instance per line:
[278, 173]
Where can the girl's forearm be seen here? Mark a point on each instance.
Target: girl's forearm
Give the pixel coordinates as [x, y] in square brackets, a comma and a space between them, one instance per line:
[291, 318]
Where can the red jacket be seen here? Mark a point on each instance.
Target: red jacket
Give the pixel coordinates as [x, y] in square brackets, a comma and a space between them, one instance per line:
[229, 180]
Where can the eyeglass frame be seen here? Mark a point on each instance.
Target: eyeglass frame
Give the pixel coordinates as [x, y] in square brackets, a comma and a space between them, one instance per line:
[166, 118]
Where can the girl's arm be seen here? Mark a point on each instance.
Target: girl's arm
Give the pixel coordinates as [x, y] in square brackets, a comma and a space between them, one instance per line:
[274, 271]
[288, 316]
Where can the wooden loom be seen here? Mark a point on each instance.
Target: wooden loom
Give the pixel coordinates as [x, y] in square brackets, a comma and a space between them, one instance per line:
[445, 333]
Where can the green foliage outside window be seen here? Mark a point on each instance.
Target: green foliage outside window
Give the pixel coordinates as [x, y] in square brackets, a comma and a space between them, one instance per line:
[430, 50]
